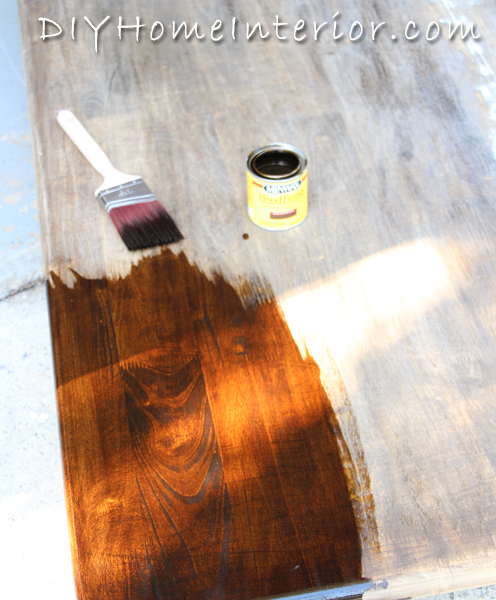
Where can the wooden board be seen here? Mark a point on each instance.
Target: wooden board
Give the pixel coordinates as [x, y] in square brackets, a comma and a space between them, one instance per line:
[308, 412]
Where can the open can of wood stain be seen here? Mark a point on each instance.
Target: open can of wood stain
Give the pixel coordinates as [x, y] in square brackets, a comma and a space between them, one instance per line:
[277, 186]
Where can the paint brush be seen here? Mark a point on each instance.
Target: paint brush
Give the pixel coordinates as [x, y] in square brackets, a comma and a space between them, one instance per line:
[140, 219]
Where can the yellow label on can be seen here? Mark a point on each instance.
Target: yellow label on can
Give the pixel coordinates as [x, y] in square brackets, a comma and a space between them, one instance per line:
[277, 205]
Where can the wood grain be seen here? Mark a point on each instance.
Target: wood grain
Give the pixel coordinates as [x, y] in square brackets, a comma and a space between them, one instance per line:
[201, 450]
[389, 286]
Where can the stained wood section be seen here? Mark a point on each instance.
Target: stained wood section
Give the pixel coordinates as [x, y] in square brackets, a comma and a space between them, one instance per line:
[201, 450]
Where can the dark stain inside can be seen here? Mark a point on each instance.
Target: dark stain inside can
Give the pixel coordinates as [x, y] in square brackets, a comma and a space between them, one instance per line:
[246, 236]
[276, 164]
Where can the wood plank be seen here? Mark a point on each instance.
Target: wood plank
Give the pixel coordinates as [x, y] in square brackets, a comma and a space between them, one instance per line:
[353, 437]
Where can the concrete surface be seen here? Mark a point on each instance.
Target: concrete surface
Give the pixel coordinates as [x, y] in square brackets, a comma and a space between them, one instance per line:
[20, 250]
[34, 544]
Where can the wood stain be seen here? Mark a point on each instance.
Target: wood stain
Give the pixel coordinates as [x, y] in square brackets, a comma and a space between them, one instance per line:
[277, 179]
[200, 449]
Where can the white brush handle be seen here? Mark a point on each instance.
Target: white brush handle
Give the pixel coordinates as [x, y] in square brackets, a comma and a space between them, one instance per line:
[92, 151]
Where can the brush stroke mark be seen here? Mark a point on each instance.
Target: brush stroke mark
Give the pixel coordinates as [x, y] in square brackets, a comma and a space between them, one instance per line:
[202, 455]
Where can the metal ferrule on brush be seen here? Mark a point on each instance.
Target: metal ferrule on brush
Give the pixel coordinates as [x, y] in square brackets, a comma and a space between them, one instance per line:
[134, 192]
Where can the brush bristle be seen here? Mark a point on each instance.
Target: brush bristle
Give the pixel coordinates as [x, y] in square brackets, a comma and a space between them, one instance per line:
[145, 225]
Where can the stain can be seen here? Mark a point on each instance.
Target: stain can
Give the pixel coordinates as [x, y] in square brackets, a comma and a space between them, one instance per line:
[277, 186]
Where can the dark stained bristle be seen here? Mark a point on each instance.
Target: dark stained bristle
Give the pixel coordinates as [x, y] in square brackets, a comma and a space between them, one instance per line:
[145, 225]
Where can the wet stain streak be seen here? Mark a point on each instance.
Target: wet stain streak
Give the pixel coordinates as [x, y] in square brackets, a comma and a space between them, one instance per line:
[200, 448]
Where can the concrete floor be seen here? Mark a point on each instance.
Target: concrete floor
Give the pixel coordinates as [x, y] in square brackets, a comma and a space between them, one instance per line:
[34, 544]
